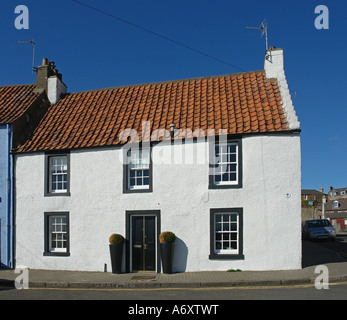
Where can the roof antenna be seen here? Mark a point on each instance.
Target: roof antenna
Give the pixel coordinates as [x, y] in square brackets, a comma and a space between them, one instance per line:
[262, 27]
[33, 43]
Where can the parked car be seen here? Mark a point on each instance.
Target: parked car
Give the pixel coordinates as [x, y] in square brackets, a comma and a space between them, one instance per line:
[318, 229]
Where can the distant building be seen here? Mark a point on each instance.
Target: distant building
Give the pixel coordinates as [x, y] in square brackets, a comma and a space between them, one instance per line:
[311, 203]
[336, 208]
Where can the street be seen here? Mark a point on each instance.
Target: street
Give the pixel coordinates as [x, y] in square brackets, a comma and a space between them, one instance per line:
[339, 245]
[336, 291]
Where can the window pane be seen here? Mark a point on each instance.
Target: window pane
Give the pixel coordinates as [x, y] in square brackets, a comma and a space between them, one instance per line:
[226, 236]
[233, 217]
[232, 148]
[234, 245]
[232, 158]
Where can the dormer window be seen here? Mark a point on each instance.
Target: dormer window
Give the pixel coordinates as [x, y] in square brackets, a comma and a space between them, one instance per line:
[335, 204]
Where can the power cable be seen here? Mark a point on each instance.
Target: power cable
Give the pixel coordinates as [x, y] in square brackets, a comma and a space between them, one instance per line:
[156, 34]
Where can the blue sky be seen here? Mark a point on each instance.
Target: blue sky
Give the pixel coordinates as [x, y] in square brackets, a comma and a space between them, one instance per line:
[95, 51]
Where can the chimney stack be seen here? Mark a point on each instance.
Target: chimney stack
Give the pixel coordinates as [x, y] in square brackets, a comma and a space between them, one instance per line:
[49, 80]
[321, 190]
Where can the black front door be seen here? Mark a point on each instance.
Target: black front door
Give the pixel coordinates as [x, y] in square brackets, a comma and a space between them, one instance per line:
[143, 243]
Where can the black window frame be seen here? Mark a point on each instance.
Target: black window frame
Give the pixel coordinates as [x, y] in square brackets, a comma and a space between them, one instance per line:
[126, 187]
[47, 251]
[222, 256]
[47, 192]
[212, 145]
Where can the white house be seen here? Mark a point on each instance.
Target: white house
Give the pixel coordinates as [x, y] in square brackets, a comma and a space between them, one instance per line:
[215, 160]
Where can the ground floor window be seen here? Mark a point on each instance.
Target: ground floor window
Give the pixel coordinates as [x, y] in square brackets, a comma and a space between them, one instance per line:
[226, 233]
[57, 233]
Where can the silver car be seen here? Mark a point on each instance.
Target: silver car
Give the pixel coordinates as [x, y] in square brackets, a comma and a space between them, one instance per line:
[319, 229]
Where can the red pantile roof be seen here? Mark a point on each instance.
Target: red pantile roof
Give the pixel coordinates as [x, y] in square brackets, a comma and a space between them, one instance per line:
[239, 103]
[15, 100]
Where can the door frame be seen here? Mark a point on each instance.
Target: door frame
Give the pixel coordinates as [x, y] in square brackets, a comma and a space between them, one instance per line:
[128, 235]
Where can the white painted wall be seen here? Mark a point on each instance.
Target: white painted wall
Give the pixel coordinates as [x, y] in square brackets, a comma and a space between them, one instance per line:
[97, 205]
[274, 69]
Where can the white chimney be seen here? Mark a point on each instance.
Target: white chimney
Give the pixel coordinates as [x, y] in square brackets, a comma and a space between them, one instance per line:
[55, 88]
[274, 69]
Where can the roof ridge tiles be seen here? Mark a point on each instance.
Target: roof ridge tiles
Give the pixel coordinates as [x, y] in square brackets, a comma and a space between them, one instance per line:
[169, 81]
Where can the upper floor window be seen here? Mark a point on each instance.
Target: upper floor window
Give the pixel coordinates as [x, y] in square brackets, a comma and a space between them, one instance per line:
[138, 171]
[57, 174]
[226, 165]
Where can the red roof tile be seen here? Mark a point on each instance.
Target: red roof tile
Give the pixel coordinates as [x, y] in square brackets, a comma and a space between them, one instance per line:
[15, 100]
[239, 103]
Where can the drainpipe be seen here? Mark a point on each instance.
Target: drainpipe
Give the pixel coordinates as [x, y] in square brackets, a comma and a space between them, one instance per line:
[9, 199]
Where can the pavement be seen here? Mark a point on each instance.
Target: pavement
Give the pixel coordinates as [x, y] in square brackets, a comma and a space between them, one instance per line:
[313, 255]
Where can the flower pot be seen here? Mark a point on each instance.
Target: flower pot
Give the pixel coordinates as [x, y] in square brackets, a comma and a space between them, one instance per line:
[167, 254]
[116, 251]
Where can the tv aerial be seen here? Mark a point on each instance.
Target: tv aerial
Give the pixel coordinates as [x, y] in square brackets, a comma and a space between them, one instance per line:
[263, 27]
[33, 44]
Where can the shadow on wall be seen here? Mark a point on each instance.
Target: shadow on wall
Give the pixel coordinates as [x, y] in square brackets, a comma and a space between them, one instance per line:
[180, 256]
